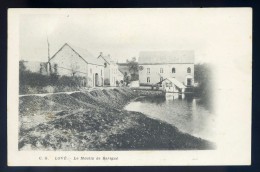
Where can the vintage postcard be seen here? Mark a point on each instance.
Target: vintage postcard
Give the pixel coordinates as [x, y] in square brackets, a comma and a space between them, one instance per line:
[129, 87]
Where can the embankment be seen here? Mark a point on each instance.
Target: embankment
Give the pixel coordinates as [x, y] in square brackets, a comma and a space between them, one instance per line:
[96, 120]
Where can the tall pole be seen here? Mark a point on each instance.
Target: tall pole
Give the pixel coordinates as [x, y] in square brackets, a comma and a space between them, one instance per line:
[48, 49]
[49, 63]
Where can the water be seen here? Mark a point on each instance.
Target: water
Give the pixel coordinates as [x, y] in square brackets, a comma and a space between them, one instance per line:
[188, 115]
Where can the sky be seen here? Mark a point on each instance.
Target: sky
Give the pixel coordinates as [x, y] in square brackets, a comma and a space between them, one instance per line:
[213, 34]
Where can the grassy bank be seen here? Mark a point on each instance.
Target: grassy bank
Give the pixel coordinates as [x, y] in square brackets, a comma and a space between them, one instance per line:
[96, 121]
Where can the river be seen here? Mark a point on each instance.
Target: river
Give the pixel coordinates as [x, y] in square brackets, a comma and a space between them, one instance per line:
[188, 115]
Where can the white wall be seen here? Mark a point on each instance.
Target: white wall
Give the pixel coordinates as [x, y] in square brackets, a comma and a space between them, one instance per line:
[92, 71]
[120, 76]
[107, 73]
[68, 62]
[113, 74]
[180, 72]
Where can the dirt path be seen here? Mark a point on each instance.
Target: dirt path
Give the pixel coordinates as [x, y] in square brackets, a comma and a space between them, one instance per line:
[69, 92]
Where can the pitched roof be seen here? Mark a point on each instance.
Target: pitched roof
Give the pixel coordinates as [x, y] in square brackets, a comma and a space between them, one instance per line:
[107, 58]
[164, 57]
[120, 72]
[176, 82]
[83, 53]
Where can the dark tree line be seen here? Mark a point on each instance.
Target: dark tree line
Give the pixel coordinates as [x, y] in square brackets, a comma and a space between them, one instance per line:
[203, 75]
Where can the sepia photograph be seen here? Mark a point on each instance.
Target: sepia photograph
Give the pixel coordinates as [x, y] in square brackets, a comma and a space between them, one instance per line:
[90, 86]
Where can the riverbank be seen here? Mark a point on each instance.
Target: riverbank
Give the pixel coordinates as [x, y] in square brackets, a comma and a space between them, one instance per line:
[96, 120]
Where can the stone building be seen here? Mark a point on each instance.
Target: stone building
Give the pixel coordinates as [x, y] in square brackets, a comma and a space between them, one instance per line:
[112, 75]
[75, 61]
[155, 66]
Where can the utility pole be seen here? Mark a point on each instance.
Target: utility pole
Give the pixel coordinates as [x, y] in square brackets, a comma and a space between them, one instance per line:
[49, 63]
[48, 49]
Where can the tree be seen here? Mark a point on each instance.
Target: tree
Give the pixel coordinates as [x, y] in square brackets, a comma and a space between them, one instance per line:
[133, 68]
[203, 75]
[117, 83]
[126, 79]
[22, 67]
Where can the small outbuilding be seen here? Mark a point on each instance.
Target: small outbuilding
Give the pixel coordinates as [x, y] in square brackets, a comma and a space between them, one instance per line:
[173, 88]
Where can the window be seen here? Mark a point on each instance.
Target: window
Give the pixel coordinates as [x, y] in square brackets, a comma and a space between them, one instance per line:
[148, 79]
[161, 70]
[148, 70]
[161, 79]
[101, 72]
[188, 81]
[188, 70]
[90, 71]
[173, 70]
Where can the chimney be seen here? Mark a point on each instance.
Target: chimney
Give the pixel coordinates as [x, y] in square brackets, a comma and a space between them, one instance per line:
[101, 54]
[108, 55]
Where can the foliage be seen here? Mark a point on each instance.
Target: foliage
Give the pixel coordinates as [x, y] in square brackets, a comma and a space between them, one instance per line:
[133, 68]
[22, 66]
[202, 72]
[69, 81]
[117, 83]
[31, 82]
[134, 77]
[203, 76]
[126, 78]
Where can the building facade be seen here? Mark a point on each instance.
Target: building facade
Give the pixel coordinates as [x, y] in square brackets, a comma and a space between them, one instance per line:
[154, 67]
[75, 61]
[112, 75]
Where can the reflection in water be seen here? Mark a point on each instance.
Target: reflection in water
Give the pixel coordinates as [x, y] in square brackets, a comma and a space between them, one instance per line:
[187, 115]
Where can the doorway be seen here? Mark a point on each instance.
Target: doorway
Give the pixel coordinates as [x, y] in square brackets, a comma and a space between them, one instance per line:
[188, 81]
[96, 80]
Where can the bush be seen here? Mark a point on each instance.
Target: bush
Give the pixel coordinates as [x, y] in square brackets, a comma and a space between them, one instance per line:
[33, 79]
[69, 81]
[33, 83]
[134, 77]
